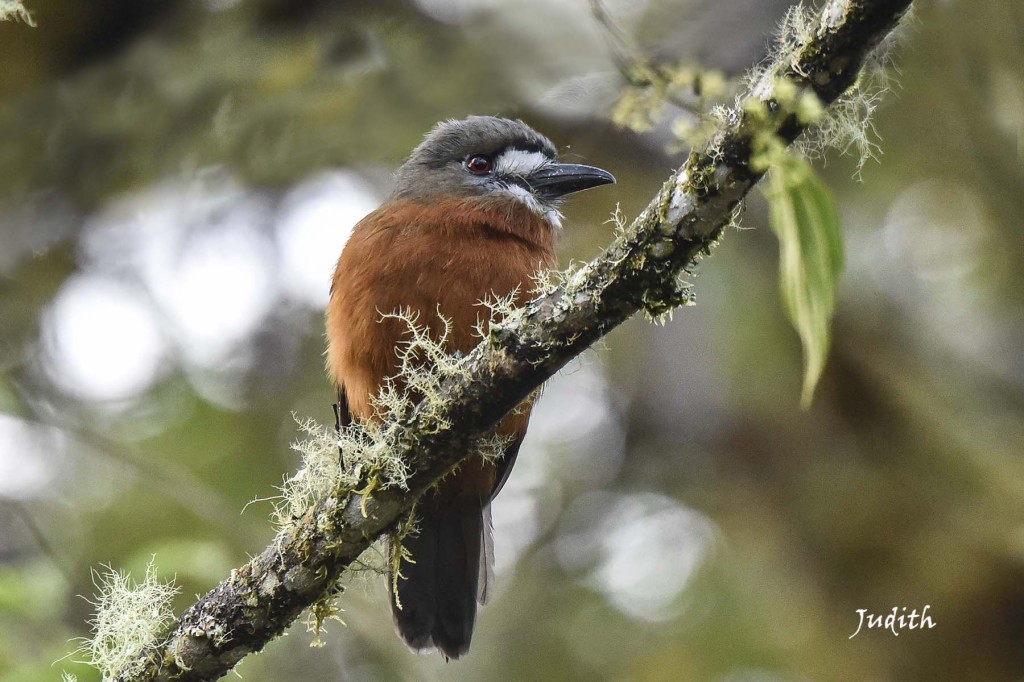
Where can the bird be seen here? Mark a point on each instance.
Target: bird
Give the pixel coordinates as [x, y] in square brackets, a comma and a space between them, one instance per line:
[474, 215]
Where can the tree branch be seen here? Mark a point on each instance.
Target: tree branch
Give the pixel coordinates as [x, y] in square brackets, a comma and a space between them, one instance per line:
[638, 271]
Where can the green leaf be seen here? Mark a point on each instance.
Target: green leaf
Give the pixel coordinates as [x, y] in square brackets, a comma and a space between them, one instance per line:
[803, 216]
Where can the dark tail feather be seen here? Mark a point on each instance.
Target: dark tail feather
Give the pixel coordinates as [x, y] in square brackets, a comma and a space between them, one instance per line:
[438, 593]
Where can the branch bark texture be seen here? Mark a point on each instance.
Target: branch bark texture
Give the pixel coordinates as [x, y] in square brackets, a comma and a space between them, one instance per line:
[639, 271]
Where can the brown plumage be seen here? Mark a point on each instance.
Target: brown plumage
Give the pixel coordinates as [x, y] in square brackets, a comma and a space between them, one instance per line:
[488, 248]
[441, 249]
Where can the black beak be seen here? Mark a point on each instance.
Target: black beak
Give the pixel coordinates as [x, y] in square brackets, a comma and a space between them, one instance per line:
[558, 179]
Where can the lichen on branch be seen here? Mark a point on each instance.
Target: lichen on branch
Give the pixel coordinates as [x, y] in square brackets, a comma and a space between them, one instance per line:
[129, 617]
[15, 10]
[361, 457]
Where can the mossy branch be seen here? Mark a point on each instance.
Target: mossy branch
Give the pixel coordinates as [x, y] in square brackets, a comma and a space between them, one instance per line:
[639, 271]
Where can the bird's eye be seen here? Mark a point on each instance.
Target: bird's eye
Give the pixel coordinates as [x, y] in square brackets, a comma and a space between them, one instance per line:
[479, 164]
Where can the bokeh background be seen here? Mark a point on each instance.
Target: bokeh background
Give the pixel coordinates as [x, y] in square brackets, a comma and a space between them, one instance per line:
[178, 176]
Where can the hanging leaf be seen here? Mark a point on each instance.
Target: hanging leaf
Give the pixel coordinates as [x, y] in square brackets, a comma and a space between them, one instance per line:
[803, 216]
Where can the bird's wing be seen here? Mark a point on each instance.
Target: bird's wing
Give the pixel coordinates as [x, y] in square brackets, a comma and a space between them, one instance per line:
[342, 418]
[503, 466]
[342, 415]
[485, 577]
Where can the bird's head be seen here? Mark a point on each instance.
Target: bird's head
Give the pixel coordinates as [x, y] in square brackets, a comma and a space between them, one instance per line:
[493, 158]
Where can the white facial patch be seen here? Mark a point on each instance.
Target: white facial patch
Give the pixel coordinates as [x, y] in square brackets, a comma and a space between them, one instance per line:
[519, 162]
[548, 213]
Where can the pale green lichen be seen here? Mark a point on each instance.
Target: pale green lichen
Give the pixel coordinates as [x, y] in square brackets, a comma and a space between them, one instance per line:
[129, 618]
[619, 222]
[569, 280]
[846, 124]
[366, 453]
[327, 608]
[424, 364]
[321, 472]
[736, 218]
[502, 310]
[399, 553]
[13, 10]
